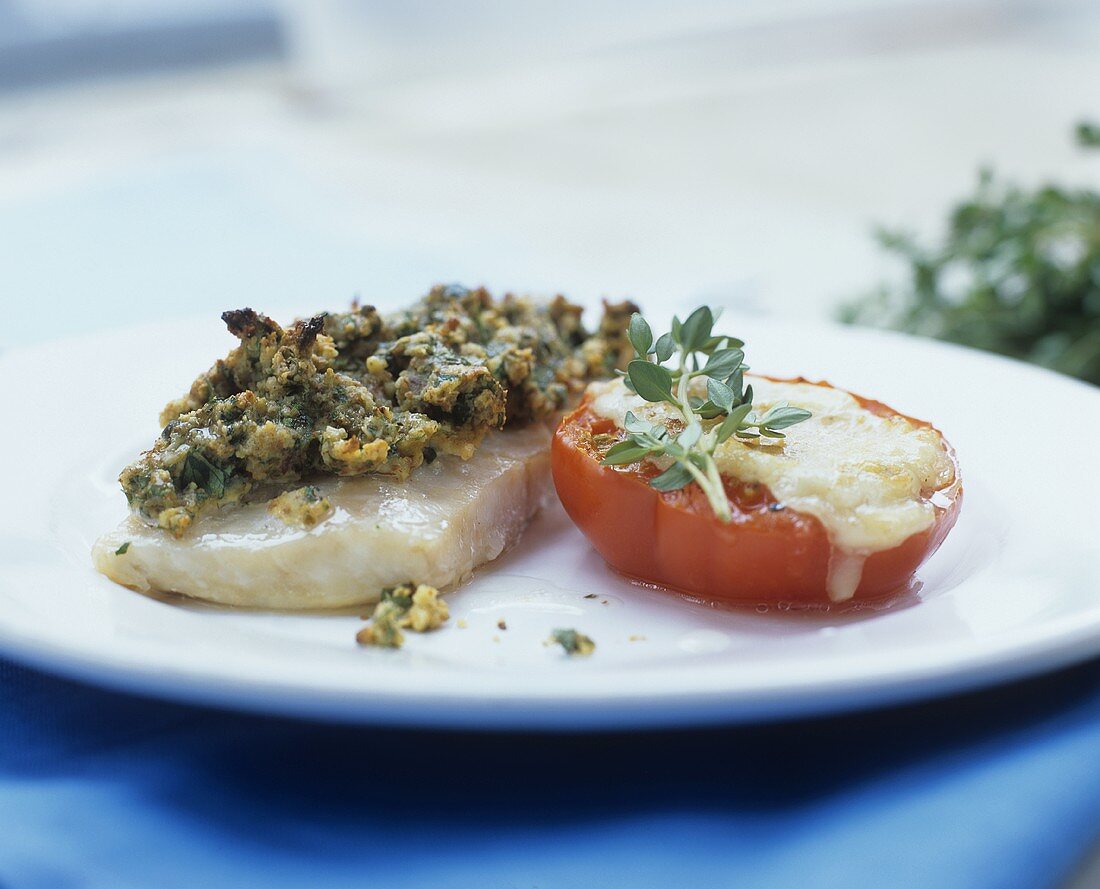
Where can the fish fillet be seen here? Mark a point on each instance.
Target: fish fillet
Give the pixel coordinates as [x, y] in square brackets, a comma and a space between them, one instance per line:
[436, 528]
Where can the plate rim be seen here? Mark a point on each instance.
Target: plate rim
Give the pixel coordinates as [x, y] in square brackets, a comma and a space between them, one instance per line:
[628, 710]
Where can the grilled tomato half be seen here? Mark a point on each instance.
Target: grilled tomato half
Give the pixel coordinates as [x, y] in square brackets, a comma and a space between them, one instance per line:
[845, 508]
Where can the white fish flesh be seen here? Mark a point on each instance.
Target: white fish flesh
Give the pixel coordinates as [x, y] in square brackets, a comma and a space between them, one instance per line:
[448, 518]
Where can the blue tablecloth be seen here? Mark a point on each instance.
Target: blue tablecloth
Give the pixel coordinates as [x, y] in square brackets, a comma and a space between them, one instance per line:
[999, 789]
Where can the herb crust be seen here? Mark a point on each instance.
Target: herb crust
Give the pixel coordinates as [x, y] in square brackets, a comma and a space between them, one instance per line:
[357, 392]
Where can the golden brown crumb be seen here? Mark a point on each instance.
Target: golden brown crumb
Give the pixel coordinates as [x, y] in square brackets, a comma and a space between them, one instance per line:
[417, 608]
[382, 634]
[428, 611]
[501, 625]
[304, 507]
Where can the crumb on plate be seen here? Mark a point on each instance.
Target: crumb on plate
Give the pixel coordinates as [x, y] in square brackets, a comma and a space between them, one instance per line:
[573, 643]
[405, 606]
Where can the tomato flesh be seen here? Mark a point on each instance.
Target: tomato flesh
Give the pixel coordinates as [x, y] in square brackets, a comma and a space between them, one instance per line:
[767, 554]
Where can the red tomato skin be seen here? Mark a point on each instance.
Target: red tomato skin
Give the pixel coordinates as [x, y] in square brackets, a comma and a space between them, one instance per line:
[765, 555]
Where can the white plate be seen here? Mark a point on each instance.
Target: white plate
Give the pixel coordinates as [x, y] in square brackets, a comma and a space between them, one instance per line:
[1014, 589]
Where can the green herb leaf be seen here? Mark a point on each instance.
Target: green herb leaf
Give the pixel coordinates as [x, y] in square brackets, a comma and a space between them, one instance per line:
[723, 363]
[574, 643]
[781, 416]
[665, 347]
[201, 472]
[733, 420]
[632, 423]
[643, 434]
[699, 460]
[641, 337]
[672, 479]
[696, 329]
[721, 394]
[121, 551]
[651, 381]
[400, 595]
[624, 452]
[721, 341]
[689, 436]
[708, 410]
[736, 381]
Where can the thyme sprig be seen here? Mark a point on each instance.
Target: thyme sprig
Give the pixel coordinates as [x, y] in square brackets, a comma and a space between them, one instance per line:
[707, 422]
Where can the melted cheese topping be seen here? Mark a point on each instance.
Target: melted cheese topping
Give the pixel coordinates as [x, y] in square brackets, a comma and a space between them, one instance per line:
[866, 478]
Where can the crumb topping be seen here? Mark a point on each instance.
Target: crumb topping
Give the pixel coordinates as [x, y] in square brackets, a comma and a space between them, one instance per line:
[301, 507]
[406, 606]
[357, 392]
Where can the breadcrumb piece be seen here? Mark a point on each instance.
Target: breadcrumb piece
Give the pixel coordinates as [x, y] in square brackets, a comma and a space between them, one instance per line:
[428, 611]
[573, 643]
[304, 507]
[383, 632]
[417, 608]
